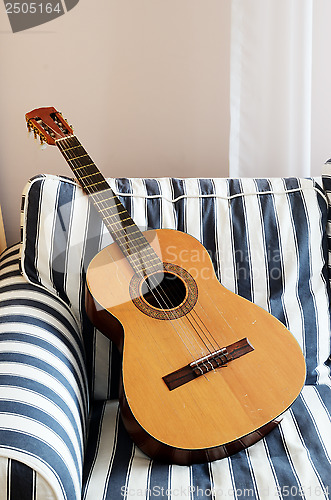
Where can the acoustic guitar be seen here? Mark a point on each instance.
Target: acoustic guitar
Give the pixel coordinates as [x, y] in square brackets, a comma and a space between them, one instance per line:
[205, 373]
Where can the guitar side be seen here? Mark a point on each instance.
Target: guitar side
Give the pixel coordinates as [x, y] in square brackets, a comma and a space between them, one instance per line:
[210, 416]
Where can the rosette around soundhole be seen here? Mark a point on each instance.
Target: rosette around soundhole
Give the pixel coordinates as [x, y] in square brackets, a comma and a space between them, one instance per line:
[170, 294]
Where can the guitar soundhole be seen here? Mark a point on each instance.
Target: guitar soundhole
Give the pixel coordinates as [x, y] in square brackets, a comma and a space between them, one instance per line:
[168, 295]
[163, 290]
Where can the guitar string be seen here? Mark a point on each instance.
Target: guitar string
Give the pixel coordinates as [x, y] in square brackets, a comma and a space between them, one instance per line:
[82, 167]
[169, 301]
[201, 321]
[199, 346]
[139, 253]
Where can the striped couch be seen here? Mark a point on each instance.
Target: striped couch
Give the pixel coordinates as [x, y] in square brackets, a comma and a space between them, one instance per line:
[61, 436]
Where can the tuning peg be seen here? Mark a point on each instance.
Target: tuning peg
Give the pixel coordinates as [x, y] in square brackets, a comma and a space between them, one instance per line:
[30, 132]
[43, 143]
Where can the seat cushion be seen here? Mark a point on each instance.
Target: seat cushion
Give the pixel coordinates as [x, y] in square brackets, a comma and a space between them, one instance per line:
[293, 461]
[266, 238]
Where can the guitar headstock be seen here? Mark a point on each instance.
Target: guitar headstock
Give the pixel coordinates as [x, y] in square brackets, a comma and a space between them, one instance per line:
[48, 124]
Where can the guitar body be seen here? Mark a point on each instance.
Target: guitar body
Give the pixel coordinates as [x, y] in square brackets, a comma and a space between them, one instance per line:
[228, 407]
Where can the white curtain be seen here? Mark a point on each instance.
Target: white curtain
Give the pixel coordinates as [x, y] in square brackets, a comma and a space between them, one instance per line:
[271, 88]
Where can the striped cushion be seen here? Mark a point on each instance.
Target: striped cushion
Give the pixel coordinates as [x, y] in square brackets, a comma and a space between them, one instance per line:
[266, 238]
[293, 461]
[43, 393]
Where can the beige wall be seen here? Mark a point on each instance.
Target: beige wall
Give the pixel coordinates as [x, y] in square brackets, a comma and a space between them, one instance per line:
[144, 82]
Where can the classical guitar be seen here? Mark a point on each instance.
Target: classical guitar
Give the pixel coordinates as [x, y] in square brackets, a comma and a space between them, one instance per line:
[205, 373]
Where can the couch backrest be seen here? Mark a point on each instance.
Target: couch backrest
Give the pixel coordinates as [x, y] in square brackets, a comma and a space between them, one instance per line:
[266, 237]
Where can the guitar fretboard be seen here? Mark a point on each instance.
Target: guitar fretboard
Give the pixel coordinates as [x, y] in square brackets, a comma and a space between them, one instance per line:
[117, 219]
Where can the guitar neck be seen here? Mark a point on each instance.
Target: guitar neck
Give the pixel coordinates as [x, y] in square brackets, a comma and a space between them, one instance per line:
[116, 218]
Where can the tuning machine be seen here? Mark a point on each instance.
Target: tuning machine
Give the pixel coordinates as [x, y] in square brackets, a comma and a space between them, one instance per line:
[61, 123]
[72, 128]
[43, 143]
[32, 130]
[69, 124]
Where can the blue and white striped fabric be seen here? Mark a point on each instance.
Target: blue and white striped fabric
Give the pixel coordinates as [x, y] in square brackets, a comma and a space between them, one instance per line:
[43, 391]
[293, 461]
[266, 238]
[268, 242]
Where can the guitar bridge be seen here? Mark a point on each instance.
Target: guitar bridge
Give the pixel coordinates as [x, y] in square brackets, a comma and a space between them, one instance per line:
[208, 363]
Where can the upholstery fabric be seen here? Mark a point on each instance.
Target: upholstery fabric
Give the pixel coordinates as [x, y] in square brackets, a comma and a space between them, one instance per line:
[266, 238]
[43, 391]
[292, 461]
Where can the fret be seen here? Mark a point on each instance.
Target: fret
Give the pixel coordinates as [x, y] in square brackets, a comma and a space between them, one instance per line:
[99, 182]
[113, 197]
[121, 241]
[107, 208]
[106, 199]
[118, 230]
[150, 260]
[119, 238]
[126, 229]
[73, 147]
[142, 247]
[74, 169]
[79, 151]
[114, 206]
[120, 220]
[139, 269]
[97, 177]
[116, 218]
[80, 162]
[142, 258]
[115, 209]
[123, 231]
[150, 264]
[137, 244]
[89, 175]
[134, 244]
[76, 157]
[148, 267]
[66, 138]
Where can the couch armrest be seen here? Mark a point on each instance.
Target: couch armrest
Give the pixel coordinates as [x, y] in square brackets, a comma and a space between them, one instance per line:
[43, 387]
